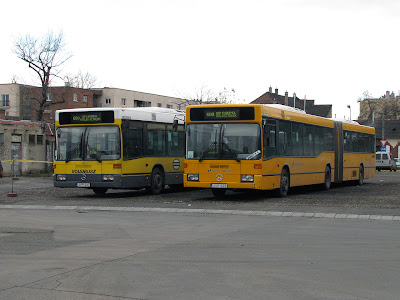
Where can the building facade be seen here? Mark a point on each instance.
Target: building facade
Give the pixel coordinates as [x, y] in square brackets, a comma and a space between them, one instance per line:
[24, 148]
[114, 97]
[387, 107]
[10, 100]
[34, 140]
[383, 114]
[308, 106]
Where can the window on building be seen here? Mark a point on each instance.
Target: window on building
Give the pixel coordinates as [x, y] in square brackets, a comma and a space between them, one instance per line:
[75, 97]
[39, 139]
[5, 100]
[108, 100]
[84, 99]
[31, 139]
[139, 103]
[169, 105]
[49, 97]
[123, 101]
[1, 138]
[159, 105]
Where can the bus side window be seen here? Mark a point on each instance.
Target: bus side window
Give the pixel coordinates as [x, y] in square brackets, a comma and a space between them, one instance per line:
[156, 138]
[269, 143]
[308, 140]
[297, 139]
[176, 140]
[132, 137]
[284, 138]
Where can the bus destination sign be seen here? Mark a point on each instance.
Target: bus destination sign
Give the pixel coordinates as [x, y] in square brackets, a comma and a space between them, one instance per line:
[221, 113]
[91, 117]
[87, 117]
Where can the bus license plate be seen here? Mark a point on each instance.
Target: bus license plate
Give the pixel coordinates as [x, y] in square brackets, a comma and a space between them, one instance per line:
[83, 184]
[219, 185]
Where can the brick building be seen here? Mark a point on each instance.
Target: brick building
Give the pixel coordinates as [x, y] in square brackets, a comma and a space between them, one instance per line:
[34, 140]
[307, 105]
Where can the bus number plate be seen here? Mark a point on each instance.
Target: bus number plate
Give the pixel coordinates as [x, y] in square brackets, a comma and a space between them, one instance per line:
[83, 184]
[219, 185]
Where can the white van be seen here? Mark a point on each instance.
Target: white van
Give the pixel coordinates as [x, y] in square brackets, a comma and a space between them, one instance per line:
[385, 161]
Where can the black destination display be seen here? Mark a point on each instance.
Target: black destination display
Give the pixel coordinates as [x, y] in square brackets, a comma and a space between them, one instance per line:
[88, 117]
[221, 113]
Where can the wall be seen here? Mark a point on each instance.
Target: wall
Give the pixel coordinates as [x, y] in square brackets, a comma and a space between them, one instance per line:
[16, 134]
[115, 95]
[12, 90]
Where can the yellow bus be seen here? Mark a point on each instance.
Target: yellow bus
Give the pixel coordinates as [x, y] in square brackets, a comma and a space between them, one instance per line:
[119, 148]
[273, 147]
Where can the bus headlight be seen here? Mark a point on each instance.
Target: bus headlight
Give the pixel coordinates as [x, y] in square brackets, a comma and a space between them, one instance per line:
[193, 177]
[61, 177]
[247, 178]
[108, 177]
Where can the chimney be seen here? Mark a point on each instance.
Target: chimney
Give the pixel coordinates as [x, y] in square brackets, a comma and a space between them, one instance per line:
[270, 89]
[294, 99]
[276, 91]
[286, 98]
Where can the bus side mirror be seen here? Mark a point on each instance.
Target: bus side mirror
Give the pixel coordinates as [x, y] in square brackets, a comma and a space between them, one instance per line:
[175, 125]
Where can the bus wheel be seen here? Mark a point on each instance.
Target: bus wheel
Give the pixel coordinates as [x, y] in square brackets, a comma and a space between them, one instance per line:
[100, 191]
[328, 179]
[218, 193]
[157, 182]
[360, 176]
[285, 183]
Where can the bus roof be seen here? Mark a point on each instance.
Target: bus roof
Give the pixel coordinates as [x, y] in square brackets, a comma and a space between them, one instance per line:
[294, 114]
[154, 114]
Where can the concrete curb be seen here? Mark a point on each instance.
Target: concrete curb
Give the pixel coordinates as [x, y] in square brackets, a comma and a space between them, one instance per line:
[208, 211]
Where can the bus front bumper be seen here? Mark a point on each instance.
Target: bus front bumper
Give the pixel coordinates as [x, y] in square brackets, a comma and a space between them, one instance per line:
[87, 181]
[227, 185]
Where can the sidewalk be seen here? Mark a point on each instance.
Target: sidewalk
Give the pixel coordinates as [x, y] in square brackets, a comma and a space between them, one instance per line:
[25, 183]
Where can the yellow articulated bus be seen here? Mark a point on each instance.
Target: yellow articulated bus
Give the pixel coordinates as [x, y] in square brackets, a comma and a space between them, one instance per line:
[273, 147]
[119, 148]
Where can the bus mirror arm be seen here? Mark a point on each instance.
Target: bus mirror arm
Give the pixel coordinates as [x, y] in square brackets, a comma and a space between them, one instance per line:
[175, 125]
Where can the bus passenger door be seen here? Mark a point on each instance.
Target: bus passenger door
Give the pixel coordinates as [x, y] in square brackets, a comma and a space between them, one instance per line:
[269, 139]
[338, 140]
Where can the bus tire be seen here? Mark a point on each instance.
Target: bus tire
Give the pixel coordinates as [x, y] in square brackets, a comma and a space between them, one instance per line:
[328, 179]
[218, 193]
[284, 185]
[360, 180]
[100, 190]
[157, 182]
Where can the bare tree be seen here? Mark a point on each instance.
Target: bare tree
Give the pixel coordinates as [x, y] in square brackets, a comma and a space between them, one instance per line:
[207, 96]
[80, 80]
[45, 56]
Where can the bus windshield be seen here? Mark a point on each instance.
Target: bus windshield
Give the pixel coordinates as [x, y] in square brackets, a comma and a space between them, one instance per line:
[88, 143]
[229, 141]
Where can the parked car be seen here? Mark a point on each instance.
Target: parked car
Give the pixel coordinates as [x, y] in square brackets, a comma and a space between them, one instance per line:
[385, 161]
[397, 160]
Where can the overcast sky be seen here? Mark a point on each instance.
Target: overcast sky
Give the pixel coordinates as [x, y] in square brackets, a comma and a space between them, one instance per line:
[330, 51]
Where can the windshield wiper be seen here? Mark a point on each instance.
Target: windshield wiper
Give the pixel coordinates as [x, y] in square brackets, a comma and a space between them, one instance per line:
[230, 151]
[206, 151]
